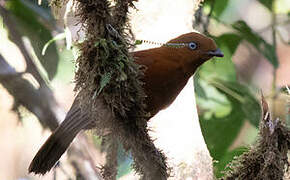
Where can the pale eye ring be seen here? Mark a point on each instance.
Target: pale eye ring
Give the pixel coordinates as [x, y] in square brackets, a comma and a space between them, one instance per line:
[192, 45]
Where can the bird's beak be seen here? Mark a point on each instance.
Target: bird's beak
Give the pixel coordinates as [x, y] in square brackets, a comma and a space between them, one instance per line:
[217, 53]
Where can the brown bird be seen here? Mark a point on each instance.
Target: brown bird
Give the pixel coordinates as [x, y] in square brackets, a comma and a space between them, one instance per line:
[168, 69]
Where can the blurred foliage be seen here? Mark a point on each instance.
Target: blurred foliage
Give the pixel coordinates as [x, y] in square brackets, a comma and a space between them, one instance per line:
[267, 3]
[29, 25]
[224, 103]
[268, 50]
[217, 8]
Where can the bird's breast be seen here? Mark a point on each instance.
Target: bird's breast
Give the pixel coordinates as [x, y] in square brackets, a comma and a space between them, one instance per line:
[162, 86]
[163, 79]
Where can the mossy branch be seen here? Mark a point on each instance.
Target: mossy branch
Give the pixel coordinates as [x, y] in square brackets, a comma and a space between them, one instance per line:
[107, 73]
[268, 158]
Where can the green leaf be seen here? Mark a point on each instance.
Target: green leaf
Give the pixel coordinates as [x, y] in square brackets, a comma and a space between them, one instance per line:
[222, 68]
[28, 25]
[105, 79]
[215, 103]
[138, 42]
[218, 7]
[257, 41]
[250, 106]
[220, 167]
[231, 41]
[219, 133]
[267, 3]
[223, 118]
[198, 88]
[252, 109]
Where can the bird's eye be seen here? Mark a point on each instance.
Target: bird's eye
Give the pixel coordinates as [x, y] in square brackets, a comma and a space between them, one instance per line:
[192, 45]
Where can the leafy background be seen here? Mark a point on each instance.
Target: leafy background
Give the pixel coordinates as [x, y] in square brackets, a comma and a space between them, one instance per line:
[254, 36]
[229, 99]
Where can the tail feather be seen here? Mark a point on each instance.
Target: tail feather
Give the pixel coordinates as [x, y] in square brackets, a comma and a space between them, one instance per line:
[59, 141]
[49, 153]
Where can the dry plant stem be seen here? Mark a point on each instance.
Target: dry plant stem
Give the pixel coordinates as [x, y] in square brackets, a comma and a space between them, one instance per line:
[274, 39]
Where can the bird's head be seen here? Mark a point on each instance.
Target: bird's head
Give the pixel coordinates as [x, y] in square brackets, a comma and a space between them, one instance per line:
[193, 48]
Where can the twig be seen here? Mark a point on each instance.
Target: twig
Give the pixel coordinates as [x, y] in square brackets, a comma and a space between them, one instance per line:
[25, 94]
[274, 41]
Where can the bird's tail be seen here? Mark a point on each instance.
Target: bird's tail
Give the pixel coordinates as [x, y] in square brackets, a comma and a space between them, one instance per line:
[59, 141]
